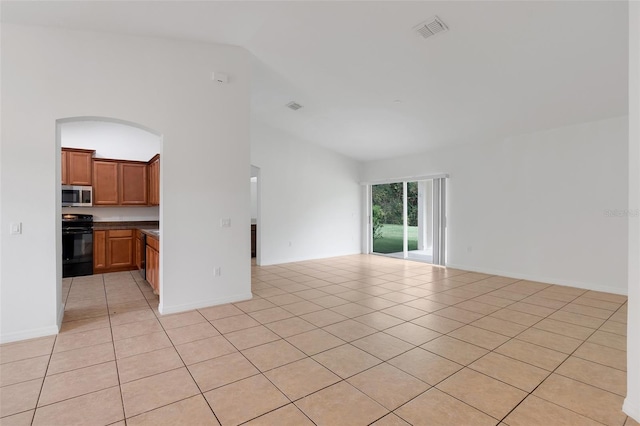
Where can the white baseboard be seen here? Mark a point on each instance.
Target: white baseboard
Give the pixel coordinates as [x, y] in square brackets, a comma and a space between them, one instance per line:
[29, 334]
[165, 310]
[542, 279]
[631, 410]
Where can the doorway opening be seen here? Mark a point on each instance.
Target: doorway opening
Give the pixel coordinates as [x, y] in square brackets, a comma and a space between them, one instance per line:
[408, 220]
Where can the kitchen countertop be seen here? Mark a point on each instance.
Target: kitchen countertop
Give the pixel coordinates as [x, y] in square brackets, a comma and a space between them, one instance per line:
[153, 233]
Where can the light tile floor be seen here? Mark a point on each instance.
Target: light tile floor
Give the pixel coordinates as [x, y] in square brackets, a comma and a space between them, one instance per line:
[353, 340]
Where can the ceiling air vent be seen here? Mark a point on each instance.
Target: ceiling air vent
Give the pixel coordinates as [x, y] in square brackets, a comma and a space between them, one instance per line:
[431, 27]
[294, 106]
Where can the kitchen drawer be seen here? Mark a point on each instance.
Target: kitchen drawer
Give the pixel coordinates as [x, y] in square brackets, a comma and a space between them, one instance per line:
[154, 243]
[120, 233]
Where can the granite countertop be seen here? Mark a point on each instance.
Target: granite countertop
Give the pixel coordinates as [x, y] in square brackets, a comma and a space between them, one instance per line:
[153, 233]
[142, 224]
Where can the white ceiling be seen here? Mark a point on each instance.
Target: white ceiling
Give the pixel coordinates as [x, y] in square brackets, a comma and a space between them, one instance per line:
[504, 68]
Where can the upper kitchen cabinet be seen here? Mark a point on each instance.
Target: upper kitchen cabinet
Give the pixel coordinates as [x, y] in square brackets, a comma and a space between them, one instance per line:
[154, 180]
[133, 183]
[119, 183]
[77, 166]
[105, 183]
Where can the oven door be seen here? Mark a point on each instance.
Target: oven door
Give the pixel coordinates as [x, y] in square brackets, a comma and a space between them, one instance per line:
[77, 245]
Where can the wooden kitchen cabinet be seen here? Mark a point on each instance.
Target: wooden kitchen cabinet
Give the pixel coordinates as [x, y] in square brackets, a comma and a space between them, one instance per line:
[153, 263]
[99, 251]
[77, 166]
[105, 183]
[113, 250]
[133, 183]
[139, 250]
[119, 183]
[154, 180]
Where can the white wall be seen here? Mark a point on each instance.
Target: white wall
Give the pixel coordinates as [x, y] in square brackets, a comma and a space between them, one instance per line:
[254, 198]
[309, 197]
[161, 84]
[632, 401]
[110, 140]
[534, 206]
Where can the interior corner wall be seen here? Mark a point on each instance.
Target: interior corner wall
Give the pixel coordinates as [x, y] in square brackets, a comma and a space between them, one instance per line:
[632, 401]
[546, 206]
[50, 74]
[309, 200]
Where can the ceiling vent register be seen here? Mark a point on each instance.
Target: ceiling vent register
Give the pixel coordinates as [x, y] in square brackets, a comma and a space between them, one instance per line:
[294, 106]
[431, 27]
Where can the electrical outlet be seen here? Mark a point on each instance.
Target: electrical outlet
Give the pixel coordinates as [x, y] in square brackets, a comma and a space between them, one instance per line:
[225, 222]
[469, 249]
[15, 228]
[217, 271]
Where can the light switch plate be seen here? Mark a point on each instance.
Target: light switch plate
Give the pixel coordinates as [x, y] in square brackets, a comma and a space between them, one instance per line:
[15, 228]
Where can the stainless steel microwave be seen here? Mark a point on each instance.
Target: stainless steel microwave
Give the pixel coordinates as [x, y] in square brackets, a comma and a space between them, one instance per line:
[77, 196]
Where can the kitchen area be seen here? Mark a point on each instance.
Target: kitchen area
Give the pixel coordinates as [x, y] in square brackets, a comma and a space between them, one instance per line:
[110, 194]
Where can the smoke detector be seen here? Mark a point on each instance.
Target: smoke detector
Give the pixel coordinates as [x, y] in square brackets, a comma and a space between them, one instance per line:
[431, 27]
[293, 106]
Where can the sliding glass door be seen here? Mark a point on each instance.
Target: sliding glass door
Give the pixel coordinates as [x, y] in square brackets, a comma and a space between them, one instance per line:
[407, 220]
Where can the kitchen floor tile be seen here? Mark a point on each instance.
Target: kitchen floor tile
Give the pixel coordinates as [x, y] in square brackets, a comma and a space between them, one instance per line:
[549, 340]
[148, 364]
[250, 337]
[272, 355]
[230, 403]
[390, 420]
[21, 419]
[156, 391]
[190, 333]
[479, 337]
[511, 371]
[346, 360]
[382, 345]
[301, 378]
[218, 312]
[221, 371]
[426, 366]
[379, 320]
[438, 323]
[289, 415]
[181, 320]
[532, 354]
[79, 358]
[455, 350]
[78, 382]
[23, 370]
[536, 411]
[581, 398]
[135, 329]
[191, 411]
[290, 326]
[412, 333]
[436, 408]
[101, 407]
[22, 396]
[388, 385]
[141, 344]
[482, 392]
[598, 375]
[201, 350]
[315, 341]
[67, 342]
[266, 316]
[323, 318]
[341, 404]
[349, 330]
[603, 355]
[234, 323]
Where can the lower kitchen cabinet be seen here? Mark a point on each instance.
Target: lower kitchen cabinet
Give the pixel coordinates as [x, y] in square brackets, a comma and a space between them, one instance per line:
[153, 263]
[113, 250]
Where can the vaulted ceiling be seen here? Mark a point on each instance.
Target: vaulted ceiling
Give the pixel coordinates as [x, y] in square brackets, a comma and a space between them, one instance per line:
[370, 87]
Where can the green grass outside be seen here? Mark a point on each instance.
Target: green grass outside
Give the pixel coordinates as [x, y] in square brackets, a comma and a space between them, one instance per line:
[391, 241]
